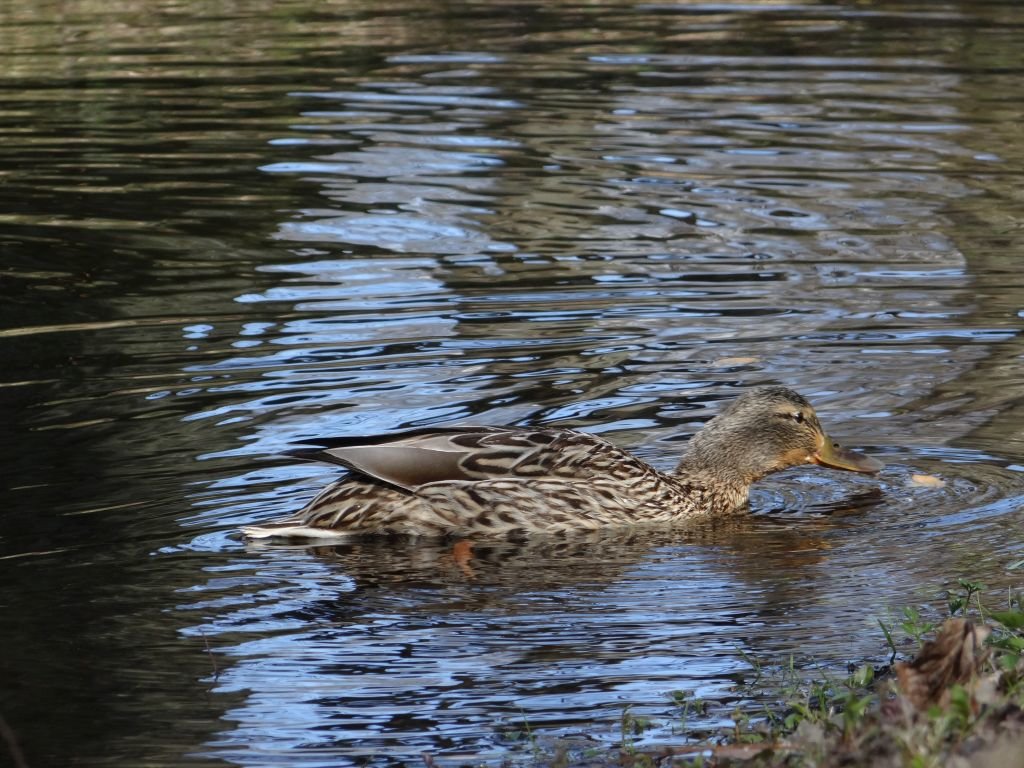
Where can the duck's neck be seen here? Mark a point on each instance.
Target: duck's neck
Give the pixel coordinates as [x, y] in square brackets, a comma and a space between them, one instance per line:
[727, 483]
[719, 494]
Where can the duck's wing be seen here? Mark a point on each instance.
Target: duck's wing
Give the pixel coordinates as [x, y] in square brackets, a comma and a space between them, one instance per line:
[412, 459]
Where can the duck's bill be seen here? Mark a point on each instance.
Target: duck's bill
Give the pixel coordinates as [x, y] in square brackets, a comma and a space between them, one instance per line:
[833, 455]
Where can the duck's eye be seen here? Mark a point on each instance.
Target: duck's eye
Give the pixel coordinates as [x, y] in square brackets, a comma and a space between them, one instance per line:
[797, 416]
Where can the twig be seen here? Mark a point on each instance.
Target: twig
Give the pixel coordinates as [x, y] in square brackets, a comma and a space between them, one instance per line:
[7, 733]
[213, 659]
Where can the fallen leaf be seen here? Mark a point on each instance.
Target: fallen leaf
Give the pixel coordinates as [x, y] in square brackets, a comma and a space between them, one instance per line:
[954, 656]
[729, 362]
[928, 481]
[749, 751]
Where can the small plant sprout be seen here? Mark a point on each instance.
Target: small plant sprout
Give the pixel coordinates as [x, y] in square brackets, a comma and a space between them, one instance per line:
[960, 602]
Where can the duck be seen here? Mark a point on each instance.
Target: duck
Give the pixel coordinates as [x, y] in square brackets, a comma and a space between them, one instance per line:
[473, 482]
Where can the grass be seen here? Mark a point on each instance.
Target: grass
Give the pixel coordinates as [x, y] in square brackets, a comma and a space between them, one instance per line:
[959, 702]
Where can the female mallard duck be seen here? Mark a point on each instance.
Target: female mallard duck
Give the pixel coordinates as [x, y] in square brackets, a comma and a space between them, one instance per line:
[498, 481]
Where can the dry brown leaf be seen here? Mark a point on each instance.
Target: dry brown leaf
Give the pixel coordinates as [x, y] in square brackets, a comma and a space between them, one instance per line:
[928, 481]
[728, 362]
[749, 751]
[954, 656]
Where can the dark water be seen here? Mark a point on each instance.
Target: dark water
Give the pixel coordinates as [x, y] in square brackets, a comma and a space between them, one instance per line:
[226, 227]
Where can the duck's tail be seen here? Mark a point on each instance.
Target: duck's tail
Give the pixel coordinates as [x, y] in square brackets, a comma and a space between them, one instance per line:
[291, 529]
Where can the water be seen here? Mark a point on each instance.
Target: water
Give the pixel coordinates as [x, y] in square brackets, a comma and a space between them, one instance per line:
[228, 228]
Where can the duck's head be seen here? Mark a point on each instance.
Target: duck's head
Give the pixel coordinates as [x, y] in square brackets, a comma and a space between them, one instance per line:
[763, 431]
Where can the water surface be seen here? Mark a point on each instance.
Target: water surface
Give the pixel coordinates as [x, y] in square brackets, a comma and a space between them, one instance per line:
[225, 230]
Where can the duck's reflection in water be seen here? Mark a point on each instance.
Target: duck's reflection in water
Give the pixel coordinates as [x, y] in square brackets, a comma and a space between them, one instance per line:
[402, 644]
[781, 557]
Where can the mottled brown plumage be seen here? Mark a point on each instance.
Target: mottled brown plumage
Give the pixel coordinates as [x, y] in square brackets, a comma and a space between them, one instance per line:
[498, 481]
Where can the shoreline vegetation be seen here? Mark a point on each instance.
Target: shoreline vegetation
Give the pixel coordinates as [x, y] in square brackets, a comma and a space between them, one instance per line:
[957, 701]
